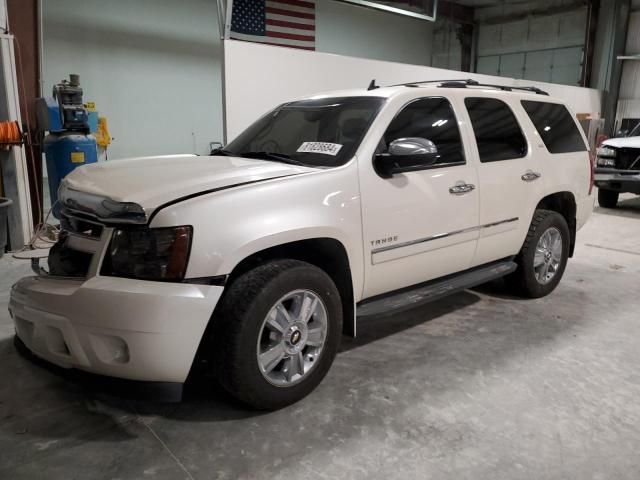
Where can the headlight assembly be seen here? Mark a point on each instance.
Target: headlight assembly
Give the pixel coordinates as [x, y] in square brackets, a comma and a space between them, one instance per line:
[607, 152]
[148, 253]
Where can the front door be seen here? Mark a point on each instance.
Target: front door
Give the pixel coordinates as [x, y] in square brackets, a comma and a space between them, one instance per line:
[422, 224]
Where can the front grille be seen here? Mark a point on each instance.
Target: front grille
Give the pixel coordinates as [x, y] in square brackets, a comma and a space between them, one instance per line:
[628, 159]
[67, 262]
[78, 241]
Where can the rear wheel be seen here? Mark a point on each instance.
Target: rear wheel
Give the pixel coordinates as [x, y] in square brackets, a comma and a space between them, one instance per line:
[544, 255]
[608, 198]
[276, 333]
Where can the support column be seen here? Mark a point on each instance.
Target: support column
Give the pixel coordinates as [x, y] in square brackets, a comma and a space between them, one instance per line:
[606, 71]
[24, 25]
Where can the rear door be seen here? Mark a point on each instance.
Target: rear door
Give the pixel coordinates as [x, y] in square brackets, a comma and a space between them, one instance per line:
[509, 173]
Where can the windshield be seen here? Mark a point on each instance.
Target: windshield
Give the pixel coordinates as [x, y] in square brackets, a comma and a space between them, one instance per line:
[635, 132]
[318, 133]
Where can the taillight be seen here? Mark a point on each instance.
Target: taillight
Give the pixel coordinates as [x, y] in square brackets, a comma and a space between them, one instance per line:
[592, 166]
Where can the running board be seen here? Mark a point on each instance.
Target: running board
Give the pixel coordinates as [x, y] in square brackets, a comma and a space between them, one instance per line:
[434, 290]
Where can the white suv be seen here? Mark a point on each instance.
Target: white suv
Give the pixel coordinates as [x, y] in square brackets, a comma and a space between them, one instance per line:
[252, 262]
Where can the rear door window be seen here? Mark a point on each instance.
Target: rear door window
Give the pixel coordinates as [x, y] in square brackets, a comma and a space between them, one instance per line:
[496, 129]
[556, 126]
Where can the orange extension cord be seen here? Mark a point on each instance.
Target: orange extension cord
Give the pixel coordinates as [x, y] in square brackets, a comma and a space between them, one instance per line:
[10, 133]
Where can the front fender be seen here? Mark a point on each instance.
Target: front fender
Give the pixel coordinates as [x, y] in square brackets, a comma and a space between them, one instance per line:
[231, 225]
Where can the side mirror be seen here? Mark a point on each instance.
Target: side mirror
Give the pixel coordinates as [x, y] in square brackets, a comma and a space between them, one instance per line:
[213, 146]
[406, 155]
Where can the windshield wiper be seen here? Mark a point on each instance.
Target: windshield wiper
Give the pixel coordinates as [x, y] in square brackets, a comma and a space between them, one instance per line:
[275, 157]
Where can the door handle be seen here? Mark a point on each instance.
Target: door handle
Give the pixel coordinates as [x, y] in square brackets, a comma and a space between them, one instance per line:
[530, 176]
[461, 188]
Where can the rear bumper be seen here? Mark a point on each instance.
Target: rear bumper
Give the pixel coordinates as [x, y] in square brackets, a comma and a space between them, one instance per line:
[123, 328]
[617, 180]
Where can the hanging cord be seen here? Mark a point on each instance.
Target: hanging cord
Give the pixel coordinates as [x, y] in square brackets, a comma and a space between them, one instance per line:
[44, 237]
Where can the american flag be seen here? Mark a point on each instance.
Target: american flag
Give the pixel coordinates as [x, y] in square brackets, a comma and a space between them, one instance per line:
[287, 23]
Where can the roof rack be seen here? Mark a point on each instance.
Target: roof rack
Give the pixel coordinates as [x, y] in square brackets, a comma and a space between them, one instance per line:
[459, 83]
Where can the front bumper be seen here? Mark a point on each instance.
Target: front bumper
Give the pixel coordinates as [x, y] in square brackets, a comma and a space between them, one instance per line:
[618, 180]
[117, 327]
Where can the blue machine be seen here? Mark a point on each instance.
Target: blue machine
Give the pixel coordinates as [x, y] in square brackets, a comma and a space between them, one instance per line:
[68, 144]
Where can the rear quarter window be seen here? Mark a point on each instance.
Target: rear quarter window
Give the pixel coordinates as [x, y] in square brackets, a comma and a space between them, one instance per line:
[556, 126]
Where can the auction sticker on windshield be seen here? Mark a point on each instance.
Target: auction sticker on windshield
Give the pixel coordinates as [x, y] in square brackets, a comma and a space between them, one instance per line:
[320, 147]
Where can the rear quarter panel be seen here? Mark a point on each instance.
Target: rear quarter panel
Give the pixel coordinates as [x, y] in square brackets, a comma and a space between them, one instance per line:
[564, 172]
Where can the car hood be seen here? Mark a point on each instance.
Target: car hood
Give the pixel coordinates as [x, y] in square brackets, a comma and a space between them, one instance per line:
[153, 181]
[622, 142]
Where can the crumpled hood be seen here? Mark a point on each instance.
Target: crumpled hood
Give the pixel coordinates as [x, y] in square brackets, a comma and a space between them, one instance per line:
[153, 181]
[622, 142]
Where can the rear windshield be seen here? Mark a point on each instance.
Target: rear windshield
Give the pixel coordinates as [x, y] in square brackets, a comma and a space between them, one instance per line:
[318, 132]
[556, 126]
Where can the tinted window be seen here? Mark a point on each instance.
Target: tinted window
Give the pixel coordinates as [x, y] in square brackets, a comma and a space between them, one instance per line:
[430, 118]
[556, 126]
[320, 133]
[497, 132]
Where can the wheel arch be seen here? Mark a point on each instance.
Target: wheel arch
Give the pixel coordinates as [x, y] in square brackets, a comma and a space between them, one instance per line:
[565, 204]
[328, 254]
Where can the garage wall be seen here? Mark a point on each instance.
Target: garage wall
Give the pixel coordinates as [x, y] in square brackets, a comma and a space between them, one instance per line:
[446, 51]
[363, 32]
[547, 48]
[154, 66]
[628, 112]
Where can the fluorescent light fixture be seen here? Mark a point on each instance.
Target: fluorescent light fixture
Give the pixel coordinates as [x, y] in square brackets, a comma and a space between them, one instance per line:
[427, 12]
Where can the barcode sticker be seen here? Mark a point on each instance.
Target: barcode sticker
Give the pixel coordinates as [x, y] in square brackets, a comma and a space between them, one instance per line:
[320, 147]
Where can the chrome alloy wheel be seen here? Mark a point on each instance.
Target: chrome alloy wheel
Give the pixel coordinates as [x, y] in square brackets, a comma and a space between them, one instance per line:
[548, 255]
[292, 337]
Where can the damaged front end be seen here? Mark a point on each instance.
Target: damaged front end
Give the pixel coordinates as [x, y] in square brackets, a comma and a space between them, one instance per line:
[86, 226]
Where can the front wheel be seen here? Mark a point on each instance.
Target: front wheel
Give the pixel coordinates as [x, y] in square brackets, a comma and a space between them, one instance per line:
[276, 333]
[544, 255]
[608, 198]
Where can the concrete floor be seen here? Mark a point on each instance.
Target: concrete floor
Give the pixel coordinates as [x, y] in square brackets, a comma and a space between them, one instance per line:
[476, 386]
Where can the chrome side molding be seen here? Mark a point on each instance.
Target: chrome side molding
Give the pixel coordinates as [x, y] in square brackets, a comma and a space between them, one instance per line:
[386, 248]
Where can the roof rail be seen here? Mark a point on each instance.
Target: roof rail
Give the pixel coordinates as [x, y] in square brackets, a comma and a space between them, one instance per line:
[460, 83]
[468, 81]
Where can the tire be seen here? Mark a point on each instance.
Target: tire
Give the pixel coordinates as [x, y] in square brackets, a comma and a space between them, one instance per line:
[608, 198]
[529, 279]
[241, 331]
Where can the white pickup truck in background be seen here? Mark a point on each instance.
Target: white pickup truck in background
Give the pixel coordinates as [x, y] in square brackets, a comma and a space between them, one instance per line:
[618, 168]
